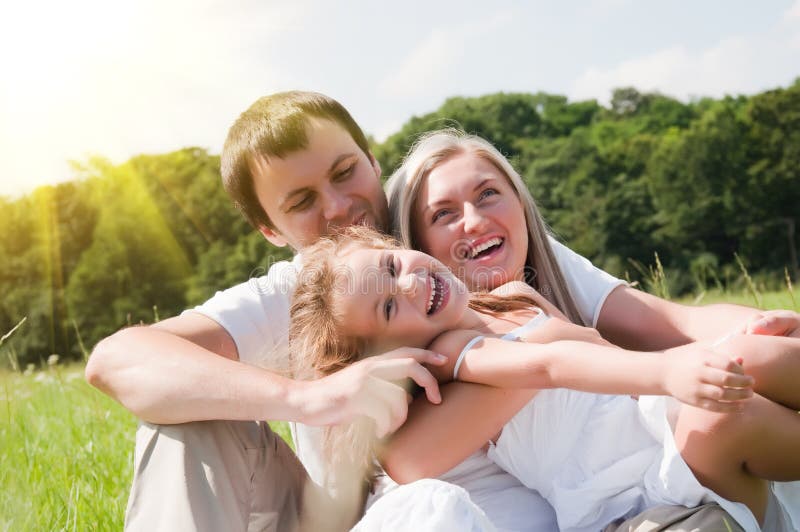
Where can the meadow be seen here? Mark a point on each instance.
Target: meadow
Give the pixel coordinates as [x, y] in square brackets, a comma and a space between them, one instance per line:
[66, 450]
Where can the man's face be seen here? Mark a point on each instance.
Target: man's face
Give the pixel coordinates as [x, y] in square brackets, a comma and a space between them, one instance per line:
[329, 184]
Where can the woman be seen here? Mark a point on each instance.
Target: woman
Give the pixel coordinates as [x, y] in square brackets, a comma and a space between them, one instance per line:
[435, 174]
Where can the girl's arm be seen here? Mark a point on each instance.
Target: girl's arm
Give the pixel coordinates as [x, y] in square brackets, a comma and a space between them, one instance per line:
[436, 438]
[693, 374]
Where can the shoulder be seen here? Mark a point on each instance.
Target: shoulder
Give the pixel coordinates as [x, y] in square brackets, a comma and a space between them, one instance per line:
[516, 288]
[451, 343]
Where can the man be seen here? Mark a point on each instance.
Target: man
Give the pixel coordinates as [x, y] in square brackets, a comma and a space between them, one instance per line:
[297, 166]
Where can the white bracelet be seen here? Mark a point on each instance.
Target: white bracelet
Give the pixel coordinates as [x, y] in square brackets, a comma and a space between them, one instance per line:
[463, 354]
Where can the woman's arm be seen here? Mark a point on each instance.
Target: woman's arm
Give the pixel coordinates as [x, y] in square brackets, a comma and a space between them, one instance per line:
[637, 320]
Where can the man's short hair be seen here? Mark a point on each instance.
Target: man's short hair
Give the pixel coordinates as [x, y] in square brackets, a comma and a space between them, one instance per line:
[275, 126]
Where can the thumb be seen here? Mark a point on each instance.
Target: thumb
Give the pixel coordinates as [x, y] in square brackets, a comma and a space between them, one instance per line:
[765, 326]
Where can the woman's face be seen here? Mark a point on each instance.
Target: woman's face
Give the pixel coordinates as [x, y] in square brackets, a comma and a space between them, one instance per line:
[397, 297]
[470, 218]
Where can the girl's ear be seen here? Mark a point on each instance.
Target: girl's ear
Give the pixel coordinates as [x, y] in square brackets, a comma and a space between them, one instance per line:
[272, 236]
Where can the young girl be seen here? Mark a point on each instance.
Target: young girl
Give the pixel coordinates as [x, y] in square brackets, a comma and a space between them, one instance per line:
[361, 294]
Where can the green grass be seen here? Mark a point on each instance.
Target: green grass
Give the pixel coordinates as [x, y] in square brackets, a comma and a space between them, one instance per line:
[766, 300]
[66, 450]
[66, 453]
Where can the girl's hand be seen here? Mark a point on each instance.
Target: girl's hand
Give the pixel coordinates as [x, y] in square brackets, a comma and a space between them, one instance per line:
[371, 387]
[700, 377]
[774, 323]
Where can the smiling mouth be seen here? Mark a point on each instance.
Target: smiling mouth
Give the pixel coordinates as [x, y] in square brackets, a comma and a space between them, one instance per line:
[438, 297]
[485, 249]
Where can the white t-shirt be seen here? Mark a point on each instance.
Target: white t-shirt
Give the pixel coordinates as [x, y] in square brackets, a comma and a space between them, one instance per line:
[256, 315]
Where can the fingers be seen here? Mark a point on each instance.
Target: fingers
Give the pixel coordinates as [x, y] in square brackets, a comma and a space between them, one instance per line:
[719, 393]
[774, 323]
[724, 378]
[717, 406]
[422, 356]
[724, 363]
[395, 369]
[405, 363]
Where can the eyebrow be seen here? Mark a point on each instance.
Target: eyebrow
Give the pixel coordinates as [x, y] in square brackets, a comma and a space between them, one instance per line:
[331, 169]
[439, 203]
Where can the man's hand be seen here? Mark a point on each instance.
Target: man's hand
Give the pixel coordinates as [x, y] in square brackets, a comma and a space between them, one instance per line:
[370, 388]
[700, 377]
[774, 323]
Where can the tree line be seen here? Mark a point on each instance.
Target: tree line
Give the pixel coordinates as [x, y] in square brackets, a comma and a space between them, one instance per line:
[703, 184]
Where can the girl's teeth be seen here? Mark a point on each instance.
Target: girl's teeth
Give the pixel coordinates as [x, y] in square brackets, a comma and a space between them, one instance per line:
[433, 294]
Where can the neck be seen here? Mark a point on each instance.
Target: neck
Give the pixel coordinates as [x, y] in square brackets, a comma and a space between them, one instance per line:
[477, 321]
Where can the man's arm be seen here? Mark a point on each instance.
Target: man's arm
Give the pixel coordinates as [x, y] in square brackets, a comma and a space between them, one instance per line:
[186, 369]
[634, 319]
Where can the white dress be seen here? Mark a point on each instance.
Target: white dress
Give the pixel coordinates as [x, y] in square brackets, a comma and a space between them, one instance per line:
[601, 458]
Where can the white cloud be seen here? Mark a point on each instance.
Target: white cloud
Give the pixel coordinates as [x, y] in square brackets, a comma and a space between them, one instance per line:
[744, 64]
[432, 65]
[793, 13]
[428, 65]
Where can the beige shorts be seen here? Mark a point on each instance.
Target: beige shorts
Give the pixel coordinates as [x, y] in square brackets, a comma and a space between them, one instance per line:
[706, 518]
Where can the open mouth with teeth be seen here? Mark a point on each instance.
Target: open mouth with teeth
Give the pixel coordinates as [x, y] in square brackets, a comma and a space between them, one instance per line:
[485, 249]
[440, 292]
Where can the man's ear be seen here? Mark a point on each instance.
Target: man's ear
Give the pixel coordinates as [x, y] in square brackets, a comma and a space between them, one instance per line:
[376, 166]
[272, 236]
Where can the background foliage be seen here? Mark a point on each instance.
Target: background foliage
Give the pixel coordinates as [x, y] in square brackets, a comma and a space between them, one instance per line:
[695, 182]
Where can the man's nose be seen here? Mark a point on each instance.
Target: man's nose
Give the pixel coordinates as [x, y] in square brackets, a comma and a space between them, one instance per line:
[335, 205]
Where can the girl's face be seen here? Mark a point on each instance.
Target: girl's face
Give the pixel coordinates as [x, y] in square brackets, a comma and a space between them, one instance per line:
[469, 217]
[397, 297]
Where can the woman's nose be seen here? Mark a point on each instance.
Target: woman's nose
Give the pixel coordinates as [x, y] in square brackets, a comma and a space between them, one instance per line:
[473, 221]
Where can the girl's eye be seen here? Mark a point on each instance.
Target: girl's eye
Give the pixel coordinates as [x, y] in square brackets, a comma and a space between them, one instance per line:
[392, 267]
[387, 308]
[439, 215]
[344, 174]
[488, 192]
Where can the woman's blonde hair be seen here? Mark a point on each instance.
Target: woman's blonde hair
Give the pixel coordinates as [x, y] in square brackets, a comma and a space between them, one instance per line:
[434, 148]
[319, 347]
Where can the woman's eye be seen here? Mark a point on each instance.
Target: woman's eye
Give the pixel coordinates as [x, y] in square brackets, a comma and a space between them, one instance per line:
[488, 192]
[438, 215]
[387, 308]
[392, 267]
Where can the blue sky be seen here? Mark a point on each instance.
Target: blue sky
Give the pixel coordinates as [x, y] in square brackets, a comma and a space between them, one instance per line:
[118, 78]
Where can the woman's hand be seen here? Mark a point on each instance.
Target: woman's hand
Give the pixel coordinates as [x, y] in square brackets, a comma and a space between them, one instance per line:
[774, 323]
[371, 387]
[706, 379]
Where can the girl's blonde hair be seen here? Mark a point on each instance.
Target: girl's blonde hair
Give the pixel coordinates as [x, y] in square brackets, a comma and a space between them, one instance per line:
[319, 347]
[431, 150]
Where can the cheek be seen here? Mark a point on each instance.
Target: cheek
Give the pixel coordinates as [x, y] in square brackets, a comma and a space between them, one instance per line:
[440, 242]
